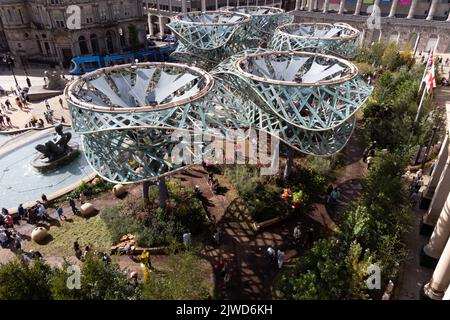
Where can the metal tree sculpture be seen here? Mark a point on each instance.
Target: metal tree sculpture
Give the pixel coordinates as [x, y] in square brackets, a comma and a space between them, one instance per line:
[127, 115]
[264, 20]
[308, 99]
[206, 38]
[338, 38]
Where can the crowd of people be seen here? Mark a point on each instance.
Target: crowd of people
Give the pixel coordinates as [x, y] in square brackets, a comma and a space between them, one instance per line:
[7, 109]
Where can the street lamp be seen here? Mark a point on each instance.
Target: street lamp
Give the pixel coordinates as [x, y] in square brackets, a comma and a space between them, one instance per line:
[9, 60]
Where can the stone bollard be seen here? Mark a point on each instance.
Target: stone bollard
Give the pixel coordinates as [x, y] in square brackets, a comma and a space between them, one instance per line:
[119, 191]
[88, 210]
[39, 234]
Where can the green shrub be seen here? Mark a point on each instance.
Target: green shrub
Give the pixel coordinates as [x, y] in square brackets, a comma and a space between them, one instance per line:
[99, 281]
[262, 197]
[184, 213]
[19, 281]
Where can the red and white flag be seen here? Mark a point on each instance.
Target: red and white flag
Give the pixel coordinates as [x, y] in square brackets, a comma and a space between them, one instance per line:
[430, 78]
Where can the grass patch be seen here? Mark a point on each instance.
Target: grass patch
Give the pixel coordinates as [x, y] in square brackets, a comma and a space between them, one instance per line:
[91, 231]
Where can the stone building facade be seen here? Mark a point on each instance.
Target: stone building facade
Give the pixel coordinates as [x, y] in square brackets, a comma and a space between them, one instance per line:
[36, 30]
[161, 11]
[420, 23]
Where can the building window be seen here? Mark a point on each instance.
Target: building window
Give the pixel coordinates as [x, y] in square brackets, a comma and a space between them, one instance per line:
[103, 13]
[47, 47]
[60, 24]
[19, 45]
[94, 43]
[109, 41]
[116, 11]
[83, 45]
[89, 20]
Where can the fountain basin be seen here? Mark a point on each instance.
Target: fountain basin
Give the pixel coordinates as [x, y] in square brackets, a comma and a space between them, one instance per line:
[41, 163]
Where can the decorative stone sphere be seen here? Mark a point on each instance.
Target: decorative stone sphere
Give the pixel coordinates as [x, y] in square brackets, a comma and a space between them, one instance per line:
[39, 234]
[88, 209]
[119, 191]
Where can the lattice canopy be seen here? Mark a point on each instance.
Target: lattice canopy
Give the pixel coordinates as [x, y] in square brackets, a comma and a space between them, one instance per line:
[209, 36]
[338, 38]
[310, 99]
[264, 20]
[128, 114]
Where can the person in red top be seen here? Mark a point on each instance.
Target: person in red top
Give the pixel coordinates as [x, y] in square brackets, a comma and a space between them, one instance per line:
[9, 221]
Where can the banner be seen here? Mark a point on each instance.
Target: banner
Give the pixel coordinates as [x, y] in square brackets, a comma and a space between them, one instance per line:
[405, 2]
[385, 1]
[335, 1]
[368, 1]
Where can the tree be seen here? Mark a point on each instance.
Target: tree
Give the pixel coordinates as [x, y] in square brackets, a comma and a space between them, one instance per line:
[99, 281]
[21, 281]
[183, 280]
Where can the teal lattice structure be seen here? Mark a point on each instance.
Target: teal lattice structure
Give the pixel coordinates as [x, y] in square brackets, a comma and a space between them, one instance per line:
[308, 99]
[128, 114]
[207, 38]
[338, 39]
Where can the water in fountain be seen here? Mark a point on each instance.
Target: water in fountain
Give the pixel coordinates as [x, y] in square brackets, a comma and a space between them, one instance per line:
[21, 183]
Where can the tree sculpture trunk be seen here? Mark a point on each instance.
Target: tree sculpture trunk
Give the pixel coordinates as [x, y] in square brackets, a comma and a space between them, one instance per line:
[145, 189]
[289, 164]
[163, 192]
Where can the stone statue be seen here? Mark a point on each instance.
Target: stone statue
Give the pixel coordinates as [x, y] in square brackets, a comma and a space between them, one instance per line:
[55, 150]
[54, 80]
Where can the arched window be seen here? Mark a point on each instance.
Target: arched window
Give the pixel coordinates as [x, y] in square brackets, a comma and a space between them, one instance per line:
[83, 45]
[94, 44]
[110, 41]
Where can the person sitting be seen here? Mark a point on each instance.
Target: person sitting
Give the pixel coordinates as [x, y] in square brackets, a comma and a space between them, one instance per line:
[44, 200]
[197, 192]
[215, 186]
[297, 233]
[4, 240]
[286, 194]
[210, 178]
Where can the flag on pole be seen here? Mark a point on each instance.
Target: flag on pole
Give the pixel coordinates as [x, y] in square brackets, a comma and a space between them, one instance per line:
[429, 76]
[430, 79]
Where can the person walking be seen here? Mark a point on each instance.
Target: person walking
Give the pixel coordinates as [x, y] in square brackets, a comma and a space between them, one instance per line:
[17, 242]
[60, 213]
[8, 104]
[8, 121]
[271, 253]
[329, 191]
[280, 258]
[61, 102]
[21, 212]
[2, 123]
[297, 233]
[47, 104]
[72, 205]
[82, 198]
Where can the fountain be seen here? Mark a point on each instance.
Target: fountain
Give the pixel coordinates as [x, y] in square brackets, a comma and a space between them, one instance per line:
[54, 86]
[21, 182]
[54, 154]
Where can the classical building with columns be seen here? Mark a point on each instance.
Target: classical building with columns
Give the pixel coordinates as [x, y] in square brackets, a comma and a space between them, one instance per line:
[436, 253]
[420, 23]
[161, 11]
[36, 30]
